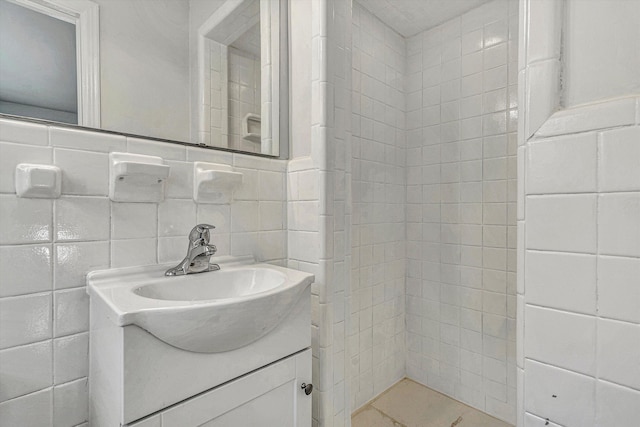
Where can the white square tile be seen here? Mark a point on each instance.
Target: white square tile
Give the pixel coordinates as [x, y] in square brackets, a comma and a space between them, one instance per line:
[173, 249]
[472, 41]
[70, 358]
[71, 311]
[250, 185]
[216, 215]
[494, 213]
[133, 220]
[495, 78]
[23, 132]
[618, 350]
[494, 191]
[561, 280]
[25, 220]
[495, 33]
[495, 56]
[31, 410]
[271, 216]
[271, 245]
[20, 281]
[179, 185]
[494, 146]
[559, 395]
[25, 319]
[13, 154]
[562, 165]
[563, 223]
[618, 288]
[619, 168]
[83, 172]
[133, 252]
[616, 405]
[25, 369]
[71, 403]
[74, 260]
[176, 217]
[82, 218]
[245, 216]
[560, 338]
[618, 224]
[271, 186]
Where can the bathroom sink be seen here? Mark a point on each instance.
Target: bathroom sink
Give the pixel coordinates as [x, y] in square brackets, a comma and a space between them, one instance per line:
[209, 312]
[223, 284]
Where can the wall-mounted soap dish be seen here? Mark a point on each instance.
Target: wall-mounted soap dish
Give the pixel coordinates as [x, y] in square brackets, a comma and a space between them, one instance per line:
[136, 178]
[214, 183]
[38, 181]
[251, 124]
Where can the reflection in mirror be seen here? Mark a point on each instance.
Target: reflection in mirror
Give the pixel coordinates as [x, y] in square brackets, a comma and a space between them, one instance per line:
[46, 69]
[140, 69]
[239, 59]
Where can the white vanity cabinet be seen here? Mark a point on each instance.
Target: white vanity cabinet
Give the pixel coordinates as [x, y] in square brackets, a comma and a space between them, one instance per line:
[269, 397]
[137, 379]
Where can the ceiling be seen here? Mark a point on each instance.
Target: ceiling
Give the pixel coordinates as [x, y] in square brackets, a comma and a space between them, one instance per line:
[409, 17]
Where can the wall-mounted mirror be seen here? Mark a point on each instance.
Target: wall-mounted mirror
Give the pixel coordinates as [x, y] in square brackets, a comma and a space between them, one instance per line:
[208, 72]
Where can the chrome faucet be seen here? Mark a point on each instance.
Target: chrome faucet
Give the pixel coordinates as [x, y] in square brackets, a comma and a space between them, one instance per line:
[198, 253]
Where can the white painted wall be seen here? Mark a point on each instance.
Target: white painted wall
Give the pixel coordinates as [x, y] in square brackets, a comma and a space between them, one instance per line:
[601, 50]
[144, 71]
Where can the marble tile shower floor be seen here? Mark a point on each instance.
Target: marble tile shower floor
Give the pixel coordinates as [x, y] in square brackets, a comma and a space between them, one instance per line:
[409, 404]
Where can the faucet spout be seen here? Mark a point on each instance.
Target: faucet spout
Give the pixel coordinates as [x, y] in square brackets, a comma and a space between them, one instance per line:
[199, 253]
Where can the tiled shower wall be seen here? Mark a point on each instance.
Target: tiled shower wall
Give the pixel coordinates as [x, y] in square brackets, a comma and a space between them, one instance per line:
[244, 96]
[461, 207]
[376, 338]
[48, 246]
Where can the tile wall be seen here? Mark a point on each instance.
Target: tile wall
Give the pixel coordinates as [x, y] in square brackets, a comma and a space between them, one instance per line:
[581, 300]
[244, 96]
[48, 246]
[215, 106]
[461, 207]
[376, 337]
[578, 255]
[319, 194]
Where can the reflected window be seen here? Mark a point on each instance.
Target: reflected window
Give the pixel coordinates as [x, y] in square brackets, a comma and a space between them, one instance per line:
[38, 65]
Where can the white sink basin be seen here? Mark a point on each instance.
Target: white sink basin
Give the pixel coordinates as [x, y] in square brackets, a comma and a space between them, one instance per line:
[208, 312]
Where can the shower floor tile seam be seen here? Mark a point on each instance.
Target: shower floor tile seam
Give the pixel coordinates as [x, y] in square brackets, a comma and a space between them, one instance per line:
[410, 404]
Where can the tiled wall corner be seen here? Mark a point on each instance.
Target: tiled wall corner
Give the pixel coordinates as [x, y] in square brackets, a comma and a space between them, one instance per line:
[376, 337]
[462, 182]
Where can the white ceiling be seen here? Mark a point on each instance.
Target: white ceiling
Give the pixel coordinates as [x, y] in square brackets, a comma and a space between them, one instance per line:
[409, 17]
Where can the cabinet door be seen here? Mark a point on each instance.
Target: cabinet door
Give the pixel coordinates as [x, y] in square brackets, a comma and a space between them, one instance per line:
[269, 397]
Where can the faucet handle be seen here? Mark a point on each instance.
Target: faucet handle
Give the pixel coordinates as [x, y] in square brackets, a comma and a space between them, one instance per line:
[200, 233]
